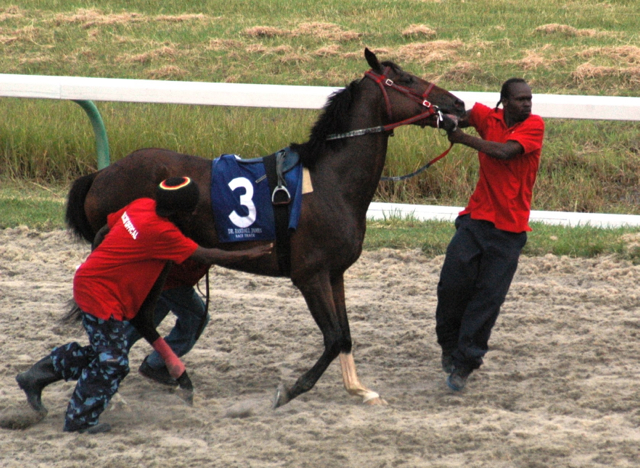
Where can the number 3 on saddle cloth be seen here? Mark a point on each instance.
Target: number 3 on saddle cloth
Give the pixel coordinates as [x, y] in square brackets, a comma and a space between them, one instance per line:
[241, 197]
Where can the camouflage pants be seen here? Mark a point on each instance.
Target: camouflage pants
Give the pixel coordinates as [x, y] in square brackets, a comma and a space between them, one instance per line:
[99, 368]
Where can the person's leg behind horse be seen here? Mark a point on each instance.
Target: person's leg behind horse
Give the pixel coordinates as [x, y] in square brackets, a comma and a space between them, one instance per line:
[191, 318]
[501, 251]
[99, 380]
[457, 280]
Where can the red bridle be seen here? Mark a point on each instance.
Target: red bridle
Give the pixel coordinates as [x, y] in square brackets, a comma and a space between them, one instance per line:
[383, 82]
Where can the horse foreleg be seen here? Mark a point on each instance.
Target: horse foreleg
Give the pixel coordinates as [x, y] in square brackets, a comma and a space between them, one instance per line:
[347, 364]
[317, 293]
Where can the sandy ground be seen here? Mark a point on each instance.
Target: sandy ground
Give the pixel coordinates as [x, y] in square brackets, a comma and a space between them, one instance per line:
[559, 388]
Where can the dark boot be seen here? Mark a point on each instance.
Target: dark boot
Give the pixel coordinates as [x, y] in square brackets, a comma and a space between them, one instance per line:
[447, 363]
[458, 378]
[35, 379]
[96, 429]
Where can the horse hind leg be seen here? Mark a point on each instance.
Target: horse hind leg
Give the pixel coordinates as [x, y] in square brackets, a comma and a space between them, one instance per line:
[347, 363]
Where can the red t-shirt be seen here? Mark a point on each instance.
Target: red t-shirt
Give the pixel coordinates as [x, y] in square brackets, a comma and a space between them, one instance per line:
[505, 187]
[118, 275]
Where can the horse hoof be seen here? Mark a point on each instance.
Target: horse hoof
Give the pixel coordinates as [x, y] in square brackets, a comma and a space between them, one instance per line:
[378, 401]
[185, 390]
[281, 396]
[185, 395]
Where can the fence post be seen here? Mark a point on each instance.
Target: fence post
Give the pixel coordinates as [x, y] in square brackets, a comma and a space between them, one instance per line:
[102, 143]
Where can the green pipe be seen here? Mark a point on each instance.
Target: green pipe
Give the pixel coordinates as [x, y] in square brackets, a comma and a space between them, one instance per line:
[102, 143]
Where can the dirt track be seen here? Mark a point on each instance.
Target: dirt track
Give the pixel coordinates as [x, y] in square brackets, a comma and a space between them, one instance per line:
[560, 386]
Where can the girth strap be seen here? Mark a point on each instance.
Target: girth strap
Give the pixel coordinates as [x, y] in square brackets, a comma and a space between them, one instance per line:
[280, 200]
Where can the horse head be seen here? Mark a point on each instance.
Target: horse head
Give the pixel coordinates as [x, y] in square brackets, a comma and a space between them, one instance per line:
[410, 99]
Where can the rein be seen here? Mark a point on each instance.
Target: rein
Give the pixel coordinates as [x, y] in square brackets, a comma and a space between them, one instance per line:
[203, 320]
[426, 166]
[382, 81]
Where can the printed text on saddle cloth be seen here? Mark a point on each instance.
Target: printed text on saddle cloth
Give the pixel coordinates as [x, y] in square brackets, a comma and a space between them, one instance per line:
[241, 199]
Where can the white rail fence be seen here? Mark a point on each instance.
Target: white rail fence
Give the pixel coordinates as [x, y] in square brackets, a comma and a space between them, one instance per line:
[82, 89]
[292, 97]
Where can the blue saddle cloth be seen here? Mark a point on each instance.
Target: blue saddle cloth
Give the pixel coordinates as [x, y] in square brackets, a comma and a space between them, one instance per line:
[241, 199]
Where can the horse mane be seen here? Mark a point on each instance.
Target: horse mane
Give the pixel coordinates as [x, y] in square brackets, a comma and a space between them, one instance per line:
[333, 119]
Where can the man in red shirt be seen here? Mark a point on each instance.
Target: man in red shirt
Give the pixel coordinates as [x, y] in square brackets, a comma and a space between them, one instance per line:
[491, 231]
[110, 288]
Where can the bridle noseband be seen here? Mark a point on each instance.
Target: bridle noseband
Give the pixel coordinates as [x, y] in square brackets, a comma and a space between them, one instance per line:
[383, 82]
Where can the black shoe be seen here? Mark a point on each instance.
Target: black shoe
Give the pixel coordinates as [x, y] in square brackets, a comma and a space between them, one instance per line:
[95, 429]
[458, 379]
[447, 363]
[33, 381]
[160, 376]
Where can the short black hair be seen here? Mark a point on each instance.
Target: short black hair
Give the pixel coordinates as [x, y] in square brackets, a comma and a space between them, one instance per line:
[506, 86]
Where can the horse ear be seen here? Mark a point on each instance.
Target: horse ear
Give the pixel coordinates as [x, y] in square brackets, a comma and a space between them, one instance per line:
[372, 60]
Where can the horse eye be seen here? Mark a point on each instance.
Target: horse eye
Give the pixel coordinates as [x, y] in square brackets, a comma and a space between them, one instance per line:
[408, 79]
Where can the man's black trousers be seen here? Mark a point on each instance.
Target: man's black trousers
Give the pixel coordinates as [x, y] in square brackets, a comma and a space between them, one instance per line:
[478, 268]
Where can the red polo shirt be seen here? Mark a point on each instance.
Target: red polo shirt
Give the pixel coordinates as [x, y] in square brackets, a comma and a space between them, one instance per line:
[505, 187]
[118, 275]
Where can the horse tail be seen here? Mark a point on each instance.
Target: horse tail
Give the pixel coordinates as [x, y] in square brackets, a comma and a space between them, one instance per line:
[74, 314]
[75, 216]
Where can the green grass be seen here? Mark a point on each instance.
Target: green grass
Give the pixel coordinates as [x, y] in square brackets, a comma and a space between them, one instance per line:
[579, 241]
[586, 47]
[432, 237]
[24, 203]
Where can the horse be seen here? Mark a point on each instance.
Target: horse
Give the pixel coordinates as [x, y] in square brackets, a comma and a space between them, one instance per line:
[345, 156]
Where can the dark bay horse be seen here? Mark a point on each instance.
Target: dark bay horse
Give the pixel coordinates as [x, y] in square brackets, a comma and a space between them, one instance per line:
[345, 156]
